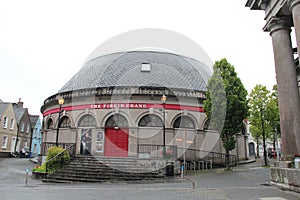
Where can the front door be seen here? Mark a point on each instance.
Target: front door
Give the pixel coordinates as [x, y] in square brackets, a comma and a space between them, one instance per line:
[251, 149]
[13, 144]
[116, 142]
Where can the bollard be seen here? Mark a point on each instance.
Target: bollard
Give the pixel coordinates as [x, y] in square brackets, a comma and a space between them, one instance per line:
[26, 179]
[182, 171]
[297, 162]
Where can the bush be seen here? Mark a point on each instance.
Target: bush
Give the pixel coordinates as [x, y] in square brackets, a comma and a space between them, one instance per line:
[56, 162]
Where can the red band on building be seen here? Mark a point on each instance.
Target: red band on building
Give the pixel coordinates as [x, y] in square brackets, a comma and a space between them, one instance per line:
[125, 106]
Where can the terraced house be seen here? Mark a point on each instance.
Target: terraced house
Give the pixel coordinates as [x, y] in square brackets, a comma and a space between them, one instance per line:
[8, 129]
[36, 138]
[23, 129]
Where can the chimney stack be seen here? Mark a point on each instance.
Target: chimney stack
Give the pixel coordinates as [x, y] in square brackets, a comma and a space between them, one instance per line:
[20, 104]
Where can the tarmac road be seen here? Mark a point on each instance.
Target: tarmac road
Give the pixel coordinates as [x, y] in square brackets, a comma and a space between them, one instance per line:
[248, 181]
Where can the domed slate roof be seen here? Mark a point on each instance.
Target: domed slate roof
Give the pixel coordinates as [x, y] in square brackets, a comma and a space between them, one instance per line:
[125, 69]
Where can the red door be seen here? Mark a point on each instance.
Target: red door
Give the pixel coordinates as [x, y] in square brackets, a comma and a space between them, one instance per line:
[116, 142]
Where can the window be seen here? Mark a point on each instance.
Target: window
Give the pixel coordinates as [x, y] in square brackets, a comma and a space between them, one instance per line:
[22, 127]
[28, 128]
[99, 143]
[87, 121]
[5, 121]
[116, 120]
[39, 134]
[4, 142]
[50, 124]
[151, 121]
[65, 122]
[12, 124]
[25, 144]
[146, 67]
[184, 122]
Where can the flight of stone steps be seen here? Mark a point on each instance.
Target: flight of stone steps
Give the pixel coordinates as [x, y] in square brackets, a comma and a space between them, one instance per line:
[100, 169]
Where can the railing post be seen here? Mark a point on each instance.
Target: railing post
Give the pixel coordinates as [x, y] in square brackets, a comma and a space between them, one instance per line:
[46, 169]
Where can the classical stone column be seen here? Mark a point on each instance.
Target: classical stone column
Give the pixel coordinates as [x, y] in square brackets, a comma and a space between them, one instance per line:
[288, 93]
[295, 9]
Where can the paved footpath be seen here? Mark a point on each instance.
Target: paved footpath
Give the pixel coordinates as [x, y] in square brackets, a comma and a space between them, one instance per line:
[248, 181]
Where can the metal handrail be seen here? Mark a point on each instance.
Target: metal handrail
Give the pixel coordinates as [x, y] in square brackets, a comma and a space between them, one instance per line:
[190, 154]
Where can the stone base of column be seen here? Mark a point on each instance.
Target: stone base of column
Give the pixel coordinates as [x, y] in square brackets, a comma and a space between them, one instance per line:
[286, 178]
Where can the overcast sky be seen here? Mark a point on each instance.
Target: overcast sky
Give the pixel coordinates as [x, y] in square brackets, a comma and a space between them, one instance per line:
[44, 43]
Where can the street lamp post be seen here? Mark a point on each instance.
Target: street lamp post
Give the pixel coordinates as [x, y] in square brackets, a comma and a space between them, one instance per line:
[60, 102]
[163, 100]
[184, 142]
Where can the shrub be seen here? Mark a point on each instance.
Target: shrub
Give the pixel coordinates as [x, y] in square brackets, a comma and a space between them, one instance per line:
[56, 162]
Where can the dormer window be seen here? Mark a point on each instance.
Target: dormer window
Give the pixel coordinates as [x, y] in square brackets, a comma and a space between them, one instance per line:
[22, 127]
[12, 124]
[5, 122]
[146, 67]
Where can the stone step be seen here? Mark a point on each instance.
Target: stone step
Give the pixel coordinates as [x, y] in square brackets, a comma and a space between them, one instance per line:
[104, 169]
[107, 164]
[115, 165]
[81, 177]
[106, 173]
[75, 179]
[104, 159]
[105, 176]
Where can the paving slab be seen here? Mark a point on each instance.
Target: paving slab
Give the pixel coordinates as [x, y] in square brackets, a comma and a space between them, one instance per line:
[246, 182]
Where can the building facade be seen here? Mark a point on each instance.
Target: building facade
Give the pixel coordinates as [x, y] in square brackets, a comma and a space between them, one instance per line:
[36, 135]
[8, 129]
[23, 129]
[135, 104]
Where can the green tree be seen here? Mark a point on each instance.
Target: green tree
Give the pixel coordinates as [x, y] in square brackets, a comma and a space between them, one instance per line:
[258, 100]
[273, 116]
[256, 133]
[226, 104]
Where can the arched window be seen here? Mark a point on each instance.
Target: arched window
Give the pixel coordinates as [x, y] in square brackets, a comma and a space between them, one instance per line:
[206, 125]
[65, 122]
[151, 121]
[116, 120]
[87, 121]
[184, 122]
[50, 124]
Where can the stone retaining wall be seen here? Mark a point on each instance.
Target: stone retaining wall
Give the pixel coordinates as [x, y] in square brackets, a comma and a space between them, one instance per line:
[288, 178]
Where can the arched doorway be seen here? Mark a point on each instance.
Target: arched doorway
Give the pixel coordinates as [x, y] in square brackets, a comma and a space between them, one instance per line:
[86, 125]
[116, 136]
[251, 149]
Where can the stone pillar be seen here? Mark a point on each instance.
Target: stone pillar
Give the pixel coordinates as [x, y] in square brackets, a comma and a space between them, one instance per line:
[295, 9]
[288, 93]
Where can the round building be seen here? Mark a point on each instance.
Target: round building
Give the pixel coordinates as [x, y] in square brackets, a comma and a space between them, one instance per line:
[143, 104]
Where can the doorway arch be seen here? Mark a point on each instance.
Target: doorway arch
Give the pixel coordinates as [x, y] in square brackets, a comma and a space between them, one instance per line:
[251, 149]
[116, 136]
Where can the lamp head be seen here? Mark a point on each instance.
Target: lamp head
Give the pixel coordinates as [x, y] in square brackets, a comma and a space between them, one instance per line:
[163, 98]
[61, 100]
